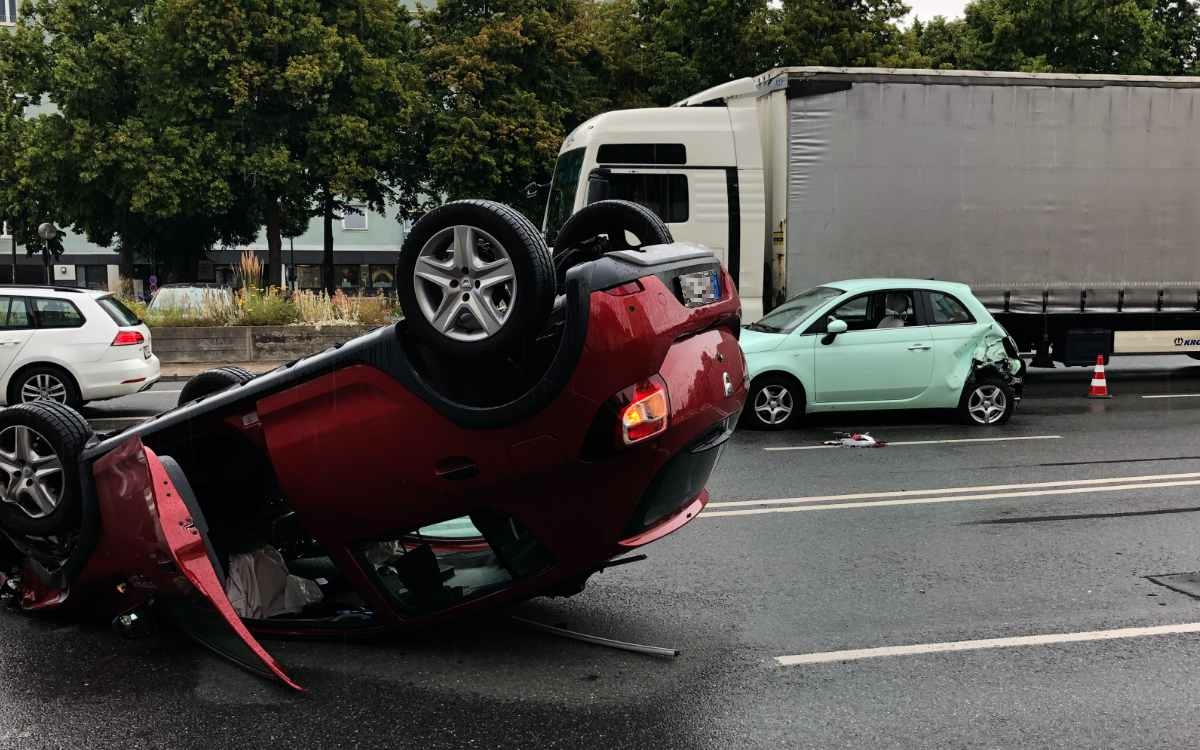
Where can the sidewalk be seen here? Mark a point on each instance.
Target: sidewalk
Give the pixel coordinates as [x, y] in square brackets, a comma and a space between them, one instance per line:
[179, 371]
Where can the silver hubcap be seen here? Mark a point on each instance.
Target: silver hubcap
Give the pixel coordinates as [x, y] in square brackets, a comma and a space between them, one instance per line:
[465, 283]
[987, 404]
[773, 404]
[31, 475]
[44, 387]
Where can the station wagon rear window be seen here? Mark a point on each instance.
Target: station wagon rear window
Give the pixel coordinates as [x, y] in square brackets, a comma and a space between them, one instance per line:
[120, 314]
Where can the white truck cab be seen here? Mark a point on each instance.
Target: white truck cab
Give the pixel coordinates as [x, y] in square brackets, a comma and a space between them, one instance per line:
[699, 168]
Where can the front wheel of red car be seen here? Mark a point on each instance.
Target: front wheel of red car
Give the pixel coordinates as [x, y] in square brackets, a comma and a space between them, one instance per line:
[40, 445]
[475, 279]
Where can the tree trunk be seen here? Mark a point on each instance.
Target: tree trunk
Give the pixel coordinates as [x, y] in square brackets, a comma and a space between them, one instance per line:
[327, 257]
[274, 246]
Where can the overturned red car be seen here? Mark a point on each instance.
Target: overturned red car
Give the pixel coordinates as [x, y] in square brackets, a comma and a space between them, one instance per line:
[533, 417]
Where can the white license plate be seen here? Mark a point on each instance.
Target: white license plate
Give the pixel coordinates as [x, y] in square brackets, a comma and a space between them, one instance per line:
[146, 352]
[702, 288]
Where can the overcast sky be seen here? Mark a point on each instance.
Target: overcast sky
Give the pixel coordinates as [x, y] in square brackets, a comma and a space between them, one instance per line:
[926, 9]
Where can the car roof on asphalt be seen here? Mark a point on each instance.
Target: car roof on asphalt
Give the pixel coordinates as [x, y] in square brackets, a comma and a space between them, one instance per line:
[866, 285]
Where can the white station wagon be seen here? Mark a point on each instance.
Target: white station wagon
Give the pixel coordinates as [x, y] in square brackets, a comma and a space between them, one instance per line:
[71, 346]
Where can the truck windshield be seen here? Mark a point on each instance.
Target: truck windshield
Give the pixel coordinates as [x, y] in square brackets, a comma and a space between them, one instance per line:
[562, 191]
[789, 315]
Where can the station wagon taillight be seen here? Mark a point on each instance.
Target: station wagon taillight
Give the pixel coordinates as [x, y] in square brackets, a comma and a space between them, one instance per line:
[129, 338]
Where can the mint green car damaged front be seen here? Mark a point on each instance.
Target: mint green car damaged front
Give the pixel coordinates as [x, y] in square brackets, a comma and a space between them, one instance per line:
[871, 344]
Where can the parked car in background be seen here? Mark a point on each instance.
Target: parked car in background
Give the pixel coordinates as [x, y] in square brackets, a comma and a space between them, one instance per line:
[191, 300]
[881, 344]
[71, 346]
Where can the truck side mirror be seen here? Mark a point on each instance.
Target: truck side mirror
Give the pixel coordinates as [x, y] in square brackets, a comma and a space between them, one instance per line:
[598, 186]
[833, 329]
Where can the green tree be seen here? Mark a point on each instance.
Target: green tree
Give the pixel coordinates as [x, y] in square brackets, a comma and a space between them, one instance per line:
[508, 78]
[1085, 36]
[837, 32]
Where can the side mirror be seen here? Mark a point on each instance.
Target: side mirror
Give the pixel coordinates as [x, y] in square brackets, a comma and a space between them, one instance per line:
[833, 329]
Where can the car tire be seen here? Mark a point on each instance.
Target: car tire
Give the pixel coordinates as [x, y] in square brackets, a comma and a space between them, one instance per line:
[46, 379]
[776, 402]
[463, 245]
[40, 493]
[213, 381]
[602, 227]
[987, 402]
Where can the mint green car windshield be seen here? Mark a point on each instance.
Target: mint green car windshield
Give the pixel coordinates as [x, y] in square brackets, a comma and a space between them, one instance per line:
[789, 315]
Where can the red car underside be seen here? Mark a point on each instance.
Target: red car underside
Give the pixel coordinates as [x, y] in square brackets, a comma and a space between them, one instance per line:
[349, 468]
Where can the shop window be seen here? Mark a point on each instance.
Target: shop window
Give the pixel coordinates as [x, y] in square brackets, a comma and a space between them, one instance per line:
[93, 277]
[308, 277]
[347, 277]
[383, 277]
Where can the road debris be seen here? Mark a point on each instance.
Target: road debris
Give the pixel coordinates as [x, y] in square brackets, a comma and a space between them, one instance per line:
[855, 440]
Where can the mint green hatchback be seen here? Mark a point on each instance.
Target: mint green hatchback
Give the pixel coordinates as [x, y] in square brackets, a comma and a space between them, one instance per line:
[871, 344]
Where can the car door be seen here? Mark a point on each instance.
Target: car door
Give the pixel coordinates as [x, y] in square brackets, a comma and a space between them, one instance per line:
[16, 329]
[884, 358]
[955, 333]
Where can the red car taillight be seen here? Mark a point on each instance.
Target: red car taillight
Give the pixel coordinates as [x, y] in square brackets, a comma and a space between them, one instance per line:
[645, 411]
[129, 338]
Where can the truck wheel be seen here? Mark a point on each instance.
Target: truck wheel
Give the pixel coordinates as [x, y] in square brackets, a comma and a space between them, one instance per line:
[475, 278]
[987, 402]
[776, 402]
[40, 445]
[213, 381]
[605, 226]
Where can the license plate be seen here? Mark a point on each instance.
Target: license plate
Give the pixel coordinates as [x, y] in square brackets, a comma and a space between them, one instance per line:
[146, 352]
[701, 288]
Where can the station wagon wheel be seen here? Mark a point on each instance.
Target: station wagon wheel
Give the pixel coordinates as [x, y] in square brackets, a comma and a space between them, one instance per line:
[44, 383]
[986, 402]
[40, 444]
[775, 403]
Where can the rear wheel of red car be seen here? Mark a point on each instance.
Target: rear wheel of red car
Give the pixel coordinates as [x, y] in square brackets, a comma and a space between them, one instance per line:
[605, 226]
[475, 278]
[776, 402]
[213, 381]
[40, 445]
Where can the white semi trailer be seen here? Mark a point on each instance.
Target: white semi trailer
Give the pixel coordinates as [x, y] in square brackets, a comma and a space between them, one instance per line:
[1070, 203]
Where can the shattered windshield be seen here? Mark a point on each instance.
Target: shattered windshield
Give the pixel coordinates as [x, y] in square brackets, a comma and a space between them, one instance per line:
[788, 316]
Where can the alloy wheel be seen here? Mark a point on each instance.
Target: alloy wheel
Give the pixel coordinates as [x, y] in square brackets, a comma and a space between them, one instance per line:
[773, 404]
[44, 387]
[465, 283]
[31, 473]
[987, 404]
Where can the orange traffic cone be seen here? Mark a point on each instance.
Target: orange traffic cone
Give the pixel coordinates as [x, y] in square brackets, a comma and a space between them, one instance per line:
[1099, 388]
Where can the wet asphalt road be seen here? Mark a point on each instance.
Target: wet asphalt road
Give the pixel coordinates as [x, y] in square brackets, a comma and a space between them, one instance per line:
[734, 592]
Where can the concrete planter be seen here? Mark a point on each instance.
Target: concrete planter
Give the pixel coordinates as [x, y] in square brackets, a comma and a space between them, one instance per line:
[219, 346]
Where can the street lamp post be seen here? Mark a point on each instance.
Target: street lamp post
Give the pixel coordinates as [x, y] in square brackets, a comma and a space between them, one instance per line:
[48, 232]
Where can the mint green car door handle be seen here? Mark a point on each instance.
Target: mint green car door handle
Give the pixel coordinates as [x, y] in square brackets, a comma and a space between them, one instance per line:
[919, 348]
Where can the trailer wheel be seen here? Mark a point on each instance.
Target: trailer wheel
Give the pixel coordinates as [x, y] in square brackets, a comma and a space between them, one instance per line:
[476, 278]
[602, 227]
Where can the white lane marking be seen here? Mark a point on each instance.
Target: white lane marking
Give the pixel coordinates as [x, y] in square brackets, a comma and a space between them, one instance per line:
[1175, 395]
[923, 442]
[951, 499]
[953, 490]
[859, 654]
